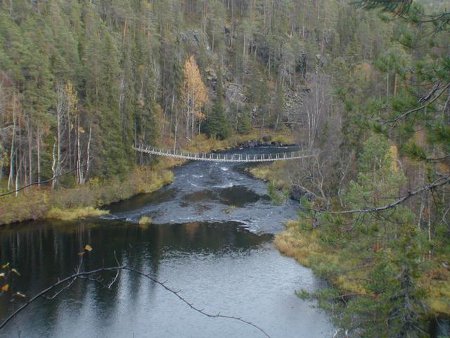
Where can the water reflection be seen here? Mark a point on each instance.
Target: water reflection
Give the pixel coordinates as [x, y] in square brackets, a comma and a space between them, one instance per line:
[219, 266]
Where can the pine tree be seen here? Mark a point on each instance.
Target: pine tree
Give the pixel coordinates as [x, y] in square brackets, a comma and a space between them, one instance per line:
[217, 124]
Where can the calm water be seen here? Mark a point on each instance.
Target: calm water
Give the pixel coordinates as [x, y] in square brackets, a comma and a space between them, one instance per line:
[211, 239]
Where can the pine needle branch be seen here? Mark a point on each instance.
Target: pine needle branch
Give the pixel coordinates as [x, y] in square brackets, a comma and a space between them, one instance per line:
[409, 112]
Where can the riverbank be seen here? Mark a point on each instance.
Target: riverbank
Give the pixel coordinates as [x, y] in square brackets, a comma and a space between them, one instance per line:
[83, 201]
[314, 248]
[306, 246]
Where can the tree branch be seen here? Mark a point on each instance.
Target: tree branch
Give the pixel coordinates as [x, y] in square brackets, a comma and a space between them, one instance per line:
[438, 183]
[437, 159]
[405, 114]
[53, 286]
[177, 294]
[85, 274]
[427, 97]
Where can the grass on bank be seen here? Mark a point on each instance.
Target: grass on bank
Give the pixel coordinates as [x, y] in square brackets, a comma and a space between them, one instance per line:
[305, 247]
[75, 213]
[275, 173]
[82, 201]
[346, 273]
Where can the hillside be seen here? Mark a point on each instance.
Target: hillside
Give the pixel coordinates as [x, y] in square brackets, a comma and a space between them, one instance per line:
[365, 85]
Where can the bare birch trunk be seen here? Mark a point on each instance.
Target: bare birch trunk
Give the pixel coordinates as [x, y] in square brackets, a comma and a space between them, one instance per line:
[79, 170]
[395, 84]
[30, 153]
[54, 165]
[38, 139]
[13, 140]
[17, 179]
[176, 132]
[88, 155]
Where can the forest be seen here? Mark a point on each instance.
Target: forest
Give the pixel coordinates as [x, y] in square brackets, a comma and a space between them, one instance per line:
[365, 84]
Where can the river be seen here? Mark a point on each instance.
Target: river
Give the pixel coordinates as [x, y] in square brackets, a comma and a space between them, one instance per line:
[211, 239]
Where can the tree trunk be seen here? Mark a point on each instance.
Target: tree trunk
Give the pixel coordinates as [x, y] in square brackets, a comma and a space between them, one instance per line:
[176, 132]
[79, 169]
[38, 139]
[13, 140]
[395, 84]
[193, 120]
[387, 85]
[88, 155]
[30, 153]
[429, 224]
[17, 179]
[54, 165]
[69, 138]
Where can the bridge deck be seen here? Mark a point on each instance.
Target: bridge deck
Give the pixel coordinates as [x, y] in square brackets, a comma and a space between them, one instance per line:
[292, 155]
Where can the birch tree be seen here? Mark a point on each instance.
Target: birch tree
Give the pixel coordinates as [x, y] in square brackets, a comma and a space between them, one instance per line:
[195, 95]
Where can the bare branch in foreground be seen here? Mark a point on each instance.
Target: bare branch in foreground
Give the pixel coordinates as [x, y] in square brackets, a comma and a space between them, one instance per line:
[110, 284]
[57, 293]
[438, 183]
[85, 274]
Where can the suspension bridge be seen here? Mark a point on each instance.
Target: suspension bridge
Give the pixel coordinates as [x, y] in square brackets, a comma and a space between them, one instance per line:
[225, 157]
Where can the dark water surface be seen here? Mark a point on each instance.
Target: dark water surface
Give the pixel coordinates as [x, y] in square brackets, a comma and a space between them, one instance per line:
[211, 239]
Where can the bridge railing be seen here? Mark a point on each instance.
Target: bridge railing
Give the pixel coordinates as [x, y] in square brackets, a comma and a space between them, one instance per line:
[216, 157]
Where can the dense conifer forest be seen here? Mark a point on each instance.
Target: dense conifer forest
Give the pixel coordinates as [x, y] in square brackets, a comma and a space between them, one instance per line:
[364, 84]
